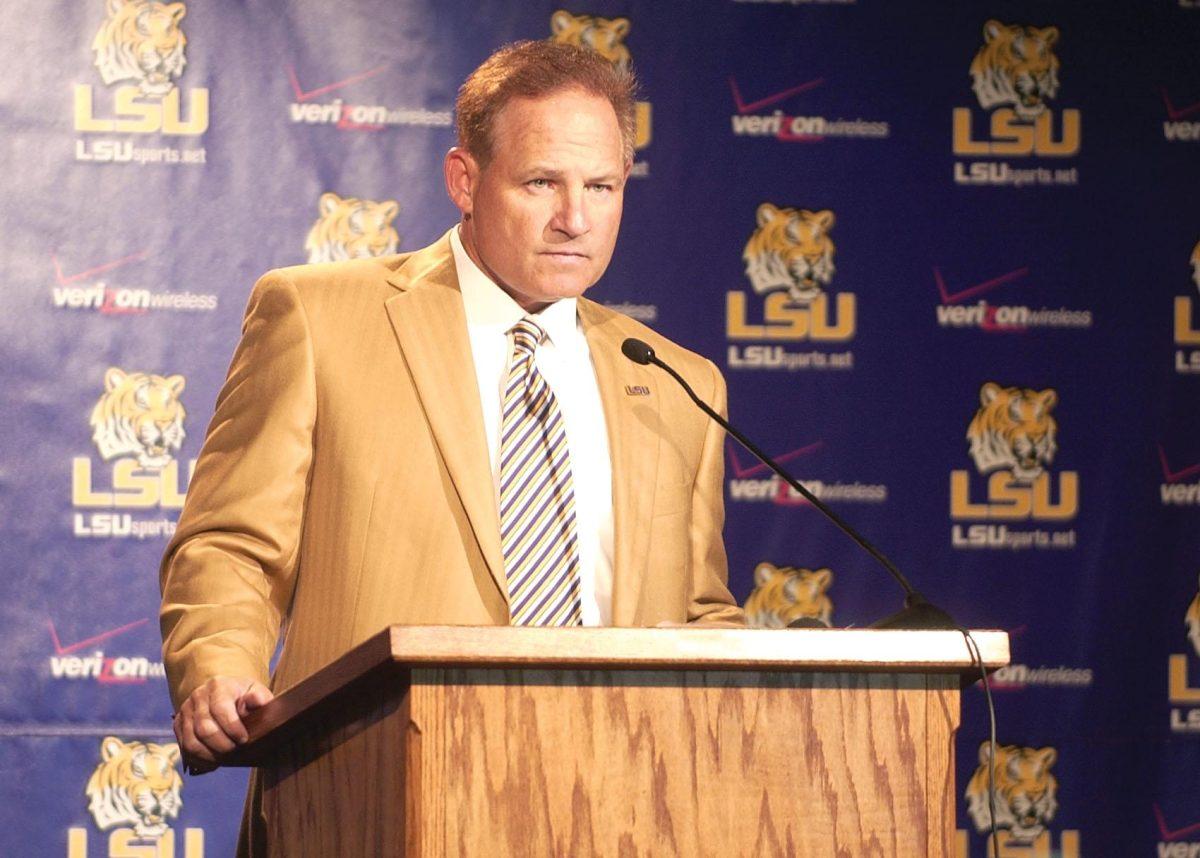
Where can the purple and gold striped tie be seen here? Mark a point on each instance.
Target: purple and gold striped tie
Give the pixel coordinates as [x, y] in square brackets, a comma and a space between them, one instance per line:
[537, 496]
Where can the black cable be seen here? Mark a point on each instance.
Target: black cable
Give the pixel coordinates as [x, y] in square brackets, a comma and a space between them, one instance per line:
[977, 658]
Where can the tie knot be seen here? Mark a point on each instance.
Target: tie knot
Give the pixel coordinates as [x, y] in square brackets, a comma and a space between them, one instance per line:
[527, 335]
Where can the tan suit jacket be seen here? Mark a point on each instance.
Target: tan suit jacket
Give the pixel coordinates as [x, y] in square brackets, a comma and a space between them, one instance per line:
[344, 484]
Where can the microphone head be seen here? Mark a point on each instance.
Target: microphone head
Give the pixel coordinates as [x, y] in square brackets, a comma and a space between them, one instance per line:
[637, 351]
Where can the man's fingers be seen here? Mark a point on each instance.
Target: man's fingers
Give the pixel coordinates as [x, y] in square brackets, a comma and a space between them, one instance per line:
[185, 732]
[209, 723]
[255, 696]
[210, 733]
[224, 711]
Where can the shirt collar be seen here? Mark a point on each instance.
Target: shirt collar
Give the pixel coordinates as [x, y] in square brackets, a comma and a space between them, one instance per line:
[490, 307]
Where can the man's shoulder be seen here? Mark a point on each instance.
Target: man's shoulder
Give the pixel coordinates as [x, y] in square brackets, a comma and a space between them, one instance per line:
[356, 277]
[622, 326]
[347, 272]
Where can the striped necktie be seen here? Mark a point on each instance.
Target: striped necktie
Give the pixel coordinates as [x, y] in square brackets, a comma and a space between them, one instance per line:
[537, 496]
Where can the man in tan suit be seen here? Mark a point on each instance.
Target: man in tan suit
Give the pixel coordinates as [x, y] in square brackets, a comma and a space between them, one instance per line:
[344, 483]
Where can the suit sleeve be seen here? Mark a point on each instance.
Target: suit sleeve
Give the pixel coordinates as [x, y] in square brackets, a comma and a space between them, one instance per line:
[711, 601]
[229, 571]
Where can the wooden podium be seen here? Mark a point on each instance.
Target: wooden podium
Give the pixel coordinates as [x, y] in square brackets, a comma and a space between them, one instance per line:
[437, 740]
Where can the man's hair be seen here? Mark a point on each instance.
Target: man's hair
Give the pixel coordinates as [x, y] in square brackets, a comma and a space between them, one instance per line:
[534, 70]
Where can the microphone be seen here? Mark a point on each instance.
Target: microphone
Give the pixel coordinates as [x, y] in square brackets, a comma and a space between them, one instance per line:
[918, 612]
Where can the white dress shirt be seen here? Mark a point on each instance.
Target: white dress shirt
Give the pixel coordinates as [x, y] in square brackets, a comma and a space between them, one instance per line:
[565, 361]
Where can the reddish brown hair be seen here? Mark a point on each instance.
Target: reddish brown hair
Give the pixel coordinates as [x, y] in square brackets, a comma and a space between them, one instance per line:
[534, 70]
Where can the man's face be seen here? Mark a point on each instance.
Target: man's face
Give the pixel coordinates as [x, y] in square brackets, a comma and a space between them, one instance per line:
[545, 211]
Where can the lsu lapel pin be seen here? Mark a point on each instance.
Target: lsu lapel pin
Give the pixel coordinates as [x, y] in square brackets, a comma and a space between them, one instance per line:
[637, 390]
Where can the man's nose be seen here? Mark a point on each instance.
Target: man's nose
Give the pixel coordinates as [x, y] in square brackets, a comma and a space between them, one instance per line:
[571, 217]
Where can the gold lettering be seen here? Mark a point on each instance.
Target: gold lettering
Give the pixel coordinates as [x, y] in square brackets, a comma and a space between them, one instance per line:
[193, 843]
[1010, 501]
[1044, 142]
[1178, 690]
[641, 134]
[735, 319]
[134, 486]
[1068, 497]
[963, 144]
[198, 99]
[1012, 136]
[1185, 334]
[1068, 840]
[76, 843]
[84, 121]
[124, 843]
[843, 327]
[81, 485]
[960, 497]
[128, 105]
[172, 497]
[785, 320]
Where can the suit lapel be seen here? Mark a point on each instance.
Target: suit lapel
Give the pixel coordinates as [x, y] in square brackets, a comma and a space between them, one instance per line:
[633, 448]
[431, 328]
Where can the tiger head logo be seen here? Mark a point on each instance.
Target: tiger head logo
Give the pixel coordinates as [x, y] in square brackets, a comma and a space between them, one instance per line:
[605, 36]
[783, 594]
[1016, 66]
[1196, 265]
[1013, 429]
[1026, 791]
[350, 228]
[790, 250]
[1192, 620]
[139, 415]
[135, 784]
[140, 40]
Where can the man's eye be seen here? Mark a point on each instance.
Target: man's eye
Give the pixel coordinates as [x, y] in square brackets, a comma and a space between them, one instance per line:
[602, 187]
[539, 183]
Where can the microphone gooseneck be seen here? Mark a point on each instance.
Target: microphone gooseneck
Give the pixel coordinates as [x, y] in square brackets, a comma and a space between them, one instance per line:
[918, 613]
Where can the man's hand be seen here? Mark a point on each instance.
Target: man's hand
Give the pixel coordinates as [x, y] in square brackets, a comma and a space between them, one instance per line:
[209, 723]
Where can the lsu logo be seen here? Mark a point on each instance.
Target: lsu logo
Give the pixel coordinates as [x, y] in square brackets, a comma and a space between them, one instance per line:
[1196, 265]
[784, 593]
[790, 250]
[135, 789]
[139, 415]
[1026, 801]
[1016, 66]
[1187, 333]
[141, 41]
[1016, 72]
[605, 36]
[350, 228]
[1184, 699]
[137, 423]
[1012, 438]
[1192, 621]
[789, 260]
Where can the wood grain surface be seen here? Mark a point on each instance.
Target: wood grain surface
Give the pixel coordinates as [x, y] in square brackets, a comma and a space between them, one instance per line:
[620, 742]
[649, 763]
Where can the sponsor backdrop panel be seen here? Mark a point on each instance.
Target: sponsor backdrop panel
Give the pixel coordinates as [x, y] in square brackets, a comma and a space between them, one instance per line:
[948, 259]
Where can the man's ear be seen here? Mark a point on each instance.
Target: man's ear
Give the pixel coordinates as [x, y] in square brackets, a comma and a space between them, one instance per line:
[461, 172]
